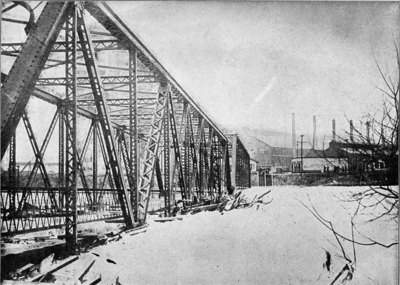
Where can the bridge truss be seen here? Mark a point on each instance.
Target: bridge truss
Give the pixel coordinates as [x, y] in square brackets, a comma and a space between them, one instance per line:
[129, 136]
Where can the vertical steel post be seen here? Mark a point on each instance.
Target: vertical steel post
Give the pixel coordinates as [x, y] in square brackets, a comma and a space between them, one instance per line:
[201, 162]
[223, 166]
[211, 163]
[234, 160]
[12, 166]
[95, 162]
[228, 169]
[61, 155]
[133, 130]
[167, 186]
[70, 124]
[301, 155]
[218, 168]
[186, 158]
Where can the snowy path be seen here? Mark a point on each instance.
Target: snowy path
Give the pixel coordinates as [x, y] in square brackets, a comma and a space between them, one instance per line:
[280, 243]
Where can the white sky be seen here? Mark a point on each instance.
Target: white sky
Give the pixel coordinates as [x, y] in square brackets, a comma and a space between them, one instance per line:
[253, 63]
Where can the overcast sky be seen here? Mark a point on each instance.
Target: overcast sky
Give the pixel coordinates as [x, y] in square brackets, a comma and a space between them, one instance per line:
[253, 63]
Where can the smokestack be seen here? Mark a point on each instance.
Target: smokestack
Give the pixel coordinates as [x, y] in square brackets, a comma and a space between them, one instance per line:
[314, 139]
[351, 130]
[333, 130]
[368, 126]
[294, 135]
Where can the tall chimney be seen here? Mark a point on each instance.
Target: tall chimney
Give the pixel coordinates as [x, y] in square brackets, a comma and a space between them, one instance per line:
[294, 135]
[314, 139]
[333, 130]
[368, 126]
[351, 130]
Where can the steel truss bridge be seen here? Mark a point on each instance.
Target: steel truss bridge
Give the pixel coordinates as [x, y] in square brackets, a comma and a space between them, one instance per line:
[128, 137]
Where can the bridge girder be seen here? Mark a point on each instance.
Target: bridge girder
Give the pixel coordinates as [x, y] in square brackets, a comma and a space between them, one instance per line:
[145, 124]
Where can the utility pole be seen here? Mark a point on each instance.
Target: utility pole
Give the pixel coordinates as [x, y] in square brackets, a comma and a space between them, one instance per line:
[301, 154]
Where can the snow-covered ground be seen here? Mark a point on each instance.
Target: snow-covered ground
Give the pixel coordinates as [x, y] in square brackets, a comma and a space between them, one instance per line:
[278, 243]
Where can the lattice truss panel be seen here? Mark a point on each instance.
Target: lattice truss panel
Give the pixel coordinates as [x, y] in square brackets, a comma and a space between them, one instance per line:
[93, 127]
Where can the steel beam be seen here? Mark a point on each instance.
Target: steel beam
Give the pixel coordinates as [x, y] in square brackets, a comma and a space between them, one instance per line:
[70, 109]
[60, 46]
[104, 119]
[119, 101]
[61, 154]
[26, 69]
[12, 173]
[107, 175]
[95, 161]
[80, 158]
[133, 131]
[105, 80]
[234, 160]
[152, 145]
[167, 184]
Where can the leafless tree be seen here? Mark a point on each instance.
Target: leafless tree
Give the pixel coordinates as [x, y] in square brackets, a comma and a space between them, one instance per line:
[377, 150]
[374, 158]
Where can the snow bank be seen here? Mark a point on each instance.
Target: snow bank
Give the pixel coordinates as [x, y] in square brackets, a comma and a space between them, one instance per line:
[278, 243]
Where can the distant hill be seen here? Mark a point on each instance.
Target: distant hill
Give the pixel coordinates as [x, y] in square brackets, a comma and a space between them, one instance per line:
[252, 143]
[269, 137]
[276, 138]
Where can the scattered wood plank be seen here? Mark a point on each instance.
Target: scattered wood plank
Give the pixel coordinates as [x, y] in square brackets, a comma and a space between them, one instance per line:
[43, 238]
[81, 235]
[167, 219]
[86, 269]
[25, 268]
[138, 232]
[54, 268]
[21, 282]
[95, 280]
[119, 221]
[137, 228]
[204, 208]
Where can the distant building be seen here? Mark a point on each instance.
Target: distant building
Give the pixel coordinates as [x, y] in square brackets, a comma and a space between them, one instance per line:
[275, 159]
[319, 161]
[338, 157]
[254, 172]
